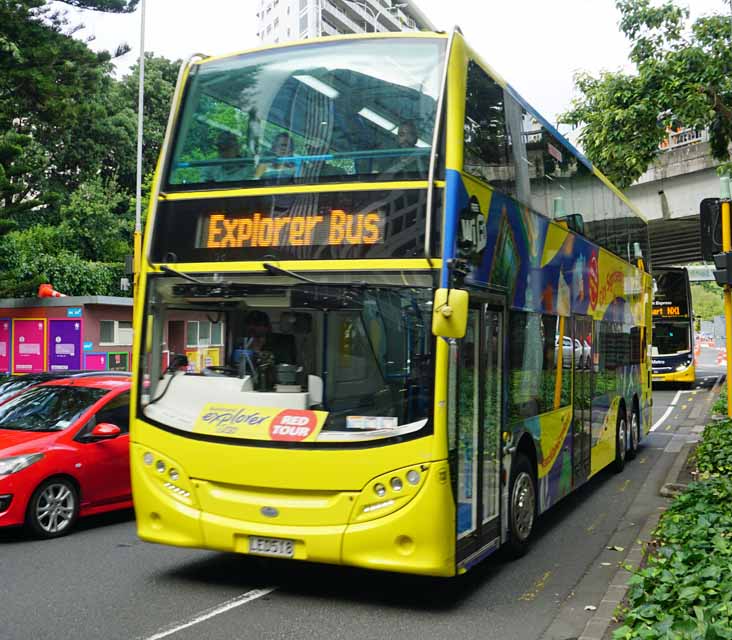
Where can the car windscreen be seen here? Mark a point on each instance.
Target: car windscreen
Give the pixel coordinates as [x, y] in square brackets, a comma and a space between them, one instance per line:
[48, 408]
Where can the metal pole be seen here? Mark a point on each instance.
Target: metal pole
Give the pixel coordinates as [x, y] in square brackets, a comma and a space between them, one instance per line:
[137, 236]
[727, 246]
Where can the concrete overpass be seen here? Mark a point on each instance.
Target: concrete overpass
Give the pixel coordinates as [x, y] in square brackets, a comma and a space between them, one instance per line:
[669, 193]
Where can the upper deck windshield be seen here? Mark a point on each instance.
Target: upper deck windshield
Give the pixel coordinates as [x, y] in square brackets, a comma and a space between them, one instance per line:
[359, 110]
[256, 359]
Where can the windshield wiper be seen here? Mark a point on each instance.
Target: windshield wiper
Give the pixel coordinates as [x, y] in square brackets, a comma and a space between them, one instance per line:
[166, 269]
[279, 271]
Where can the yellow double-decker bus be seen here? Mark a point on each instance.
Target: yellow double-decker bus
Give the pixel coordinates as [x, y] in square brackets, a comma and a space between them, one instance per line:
[388, 315]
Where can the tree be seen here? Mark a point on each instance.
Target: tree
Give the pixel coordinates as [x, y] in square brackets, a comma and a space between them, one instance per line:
[683, 78]
[53, 112]
[109, 6]
[161, 75]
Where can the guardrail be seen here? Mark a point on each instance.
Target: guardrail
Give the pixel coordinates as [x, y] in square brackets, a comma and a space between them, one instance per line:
[683, 137]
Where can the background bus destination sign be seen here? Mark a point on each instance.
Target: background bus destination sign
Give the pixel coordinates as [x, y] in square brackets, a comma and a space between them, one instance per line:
[668, 310]
[336, 228]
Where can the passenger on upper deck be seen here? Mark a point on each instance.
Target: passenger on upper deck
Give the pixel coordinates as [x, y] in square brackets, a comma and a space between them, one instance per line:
[227, 171]
[282, 147]
[410, 163]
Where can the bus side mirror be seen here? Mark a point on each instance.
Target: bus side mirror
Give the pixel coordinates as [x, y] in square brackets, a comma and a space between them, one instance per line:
[450, 313]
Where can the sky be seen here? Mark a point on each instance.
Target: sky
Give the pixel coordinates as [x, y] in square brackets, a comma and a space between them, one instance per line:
[536, 45]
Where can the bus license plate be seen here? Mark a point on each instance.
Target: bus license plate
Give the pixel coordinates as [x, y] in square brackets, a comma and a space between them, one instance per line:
[272, 547]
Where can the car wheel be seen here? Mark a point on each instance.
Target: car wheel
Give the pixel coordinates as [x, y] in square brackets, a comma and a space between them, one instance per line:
[522, 506]
[53, 508]
[634, 434]
[621, 440]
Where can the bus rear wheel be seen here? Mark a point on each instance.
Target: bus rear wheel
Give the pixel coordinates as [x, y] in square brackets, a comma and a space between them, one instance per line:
[621, 441]
[522, 506]
[634, 436]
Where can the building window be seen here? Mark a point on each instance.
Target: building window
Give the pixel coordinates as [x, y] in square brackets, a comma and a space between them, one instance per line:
[202, 333]
[118, 332]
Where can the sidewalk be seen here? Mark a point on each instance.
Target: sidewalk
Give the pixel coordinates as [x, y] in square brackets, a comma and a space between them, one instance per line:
[603, 622]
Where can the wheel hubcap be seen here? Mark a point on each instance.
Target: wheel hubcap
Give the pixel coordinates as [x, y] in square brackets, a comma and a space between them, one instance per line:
[621, 438]
[522, 503]
[55, 508]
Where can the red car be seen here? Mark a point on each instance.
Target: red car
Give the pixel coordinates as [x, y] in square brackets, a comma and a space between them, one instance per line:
[64, 453]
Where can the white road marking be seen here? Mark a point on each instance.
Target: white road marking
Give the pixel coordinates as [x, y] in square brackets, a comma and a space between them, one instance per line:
[210, 613]
[668, 411]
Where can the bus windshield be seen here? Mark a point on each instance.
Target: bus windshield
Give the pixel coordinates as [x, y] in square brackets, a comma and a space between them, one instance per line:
[671, 338]
[339, 111]
[357, 358]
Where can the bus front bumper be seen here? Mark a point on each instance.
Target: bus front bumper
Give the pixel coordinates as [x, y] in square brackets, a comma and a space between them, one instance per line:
[685, 375]
[417, 538]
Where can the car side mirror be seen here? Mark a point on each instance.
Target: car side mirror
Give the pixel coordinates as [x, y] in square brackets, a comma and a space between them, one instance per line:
[450, 313]
[103, 431]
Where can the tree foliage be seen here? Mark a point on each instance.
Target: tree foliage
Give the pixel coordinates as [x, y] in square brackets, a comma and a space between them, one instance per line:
[68, 136]
[109, 6]
[683, 78]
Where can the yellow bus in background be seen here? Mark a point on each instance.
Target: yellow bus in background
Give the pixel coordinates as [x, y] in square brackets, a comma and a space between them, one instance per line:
[672, 352]
[389, 315]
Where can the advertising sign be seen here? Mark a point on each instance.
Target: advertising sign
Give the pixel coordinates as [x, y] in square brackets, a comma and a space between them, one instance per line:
[64, 339]
[260, 423]
[95, 361]
[118, 361]
[29, 345]
[4, 345]
[73, 312]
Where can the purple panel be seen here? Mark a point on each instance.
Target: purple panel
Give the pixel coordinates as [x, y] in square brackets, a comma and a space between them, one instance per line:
[64, 345]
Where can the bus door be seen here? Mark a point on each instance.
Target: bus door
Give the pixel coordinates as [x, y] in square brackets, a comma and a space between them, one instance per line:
[582, 400]
[476, 413]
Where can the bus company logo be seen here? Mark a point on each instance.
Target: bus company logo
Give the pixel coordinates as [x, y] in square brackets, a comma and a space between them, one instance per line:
[594, 278]
[293, 425]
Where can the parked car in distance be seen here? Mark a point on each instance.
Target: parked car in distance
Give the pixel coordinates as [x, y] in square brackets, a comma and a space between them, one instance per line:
[569, 348]
[64, 453]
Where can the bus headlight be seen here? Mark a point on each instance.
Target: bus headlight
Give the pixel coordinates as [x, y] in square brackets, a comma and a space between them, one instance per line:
[167, 476]
[388, 493]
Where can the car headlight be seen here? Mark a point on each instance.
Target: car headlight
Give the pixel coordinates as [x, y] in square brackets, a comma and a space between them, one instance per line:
[18, 463]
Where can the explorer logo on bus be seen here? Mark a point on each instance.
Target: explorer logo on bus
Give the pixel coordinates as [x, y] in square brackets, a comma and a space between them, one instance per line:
[258, 230]
[293, 425]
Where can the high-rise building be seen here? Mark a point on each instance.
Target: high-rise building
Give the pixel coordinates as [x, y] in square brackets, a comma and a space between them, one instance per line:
[284, 20]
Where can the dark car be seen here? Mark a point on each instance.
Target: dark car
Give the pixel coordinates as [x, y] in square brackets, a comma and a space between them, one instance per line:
[12, 385]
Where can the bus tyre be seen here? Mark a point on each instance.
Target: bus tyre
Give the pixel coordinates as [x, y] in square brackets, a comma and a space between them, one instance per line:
[53, 508]
[522, 506]
[634, 434]
[621, 441]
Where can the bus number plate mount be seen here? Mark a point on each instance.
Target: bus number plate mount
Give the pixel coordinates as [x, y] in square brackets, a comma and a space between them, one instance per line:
[277, 547]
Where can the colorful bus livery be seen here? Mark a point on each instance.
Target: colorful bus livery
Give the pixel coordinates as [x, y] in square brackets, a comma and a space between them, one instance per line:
[418, 316]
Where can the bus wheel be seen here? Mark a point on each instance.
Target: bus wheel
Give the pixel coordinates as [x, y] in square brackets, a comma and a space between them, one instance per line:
[522, 506]
[634, 434]
[621, 442]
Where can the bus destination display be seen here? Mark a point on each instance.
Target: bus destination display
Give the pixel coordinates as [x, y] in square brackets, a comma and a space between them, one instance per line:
[668, 310]
[337, 228]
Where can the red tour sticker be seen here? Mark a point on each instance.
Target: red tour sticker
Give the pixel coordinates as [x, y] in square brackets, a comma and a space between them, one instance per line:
[293, 425]
[594, 279]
